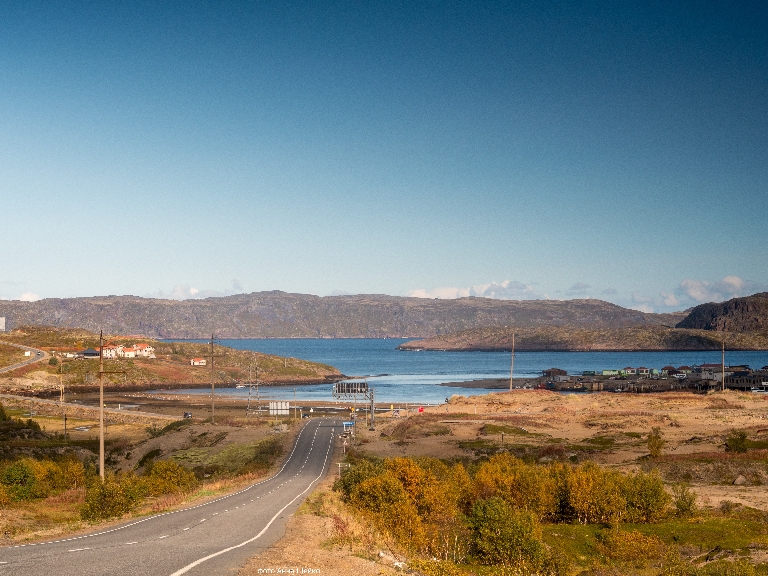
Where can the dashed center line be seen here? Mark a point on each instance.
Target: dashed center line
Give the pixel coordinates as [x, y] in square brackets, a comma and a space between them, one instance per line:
[78, 549]
[161, 537]
[129, 543]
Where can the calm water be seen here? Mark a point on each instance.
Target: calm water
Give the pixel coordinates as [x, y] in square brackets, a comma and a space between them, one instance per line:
[400, 377]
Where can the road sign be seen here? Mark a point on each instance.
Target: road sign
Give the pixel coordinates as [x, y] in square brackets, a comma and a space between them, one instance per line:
[279, 408]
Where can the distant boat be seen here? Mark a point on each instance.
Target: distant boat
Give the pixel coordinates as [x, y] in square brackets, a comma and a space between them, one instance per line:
[240, 386]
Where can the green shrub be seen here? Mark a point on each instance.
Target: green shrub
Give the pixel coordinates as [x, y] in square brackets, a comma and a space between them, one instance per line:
[647, 501]
[737, 441]
[684, 500]
[3, 416]
[113, 497]
[656, 442]
[20, 480]
[355, 475]
[168, 477]
[507, 537]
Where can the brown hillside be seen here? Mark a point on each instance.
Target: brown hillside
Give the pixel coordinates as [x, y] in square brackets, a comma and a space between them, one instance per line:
[282, 315]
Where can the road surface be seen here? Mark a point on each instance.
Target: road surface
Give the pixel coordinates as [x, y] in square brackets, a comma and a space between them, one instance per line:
[37, 356]
[208, 539]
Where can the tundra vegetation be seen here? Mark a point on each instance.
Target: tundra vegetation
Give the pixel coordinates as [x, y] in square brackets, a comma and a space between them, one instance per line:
[502, 515]
[50, 484]
[171, 365]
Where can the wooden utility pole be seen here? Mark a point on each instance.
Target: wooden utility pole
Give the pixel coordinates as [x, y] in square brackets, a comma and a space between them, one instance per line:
[512, 363]
[722, 384]
[101, 402]
[213, 392]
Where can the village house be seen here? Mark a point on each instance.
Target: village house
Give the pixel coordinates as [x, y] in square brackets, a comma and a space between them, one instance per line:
[111, 351]
[128, 352]
[144, 350]
[629, 371]
[552, 372]
[197, 362]
[643, 371]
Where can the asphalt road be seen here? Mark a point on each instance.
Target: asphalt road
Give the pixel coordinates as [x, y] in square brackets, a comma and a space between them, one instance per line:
[37, 355]
[211, 539]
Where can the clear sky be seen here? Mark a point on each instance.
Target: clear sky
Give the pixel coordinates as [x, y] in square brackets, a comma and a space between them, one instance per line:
[614, 150]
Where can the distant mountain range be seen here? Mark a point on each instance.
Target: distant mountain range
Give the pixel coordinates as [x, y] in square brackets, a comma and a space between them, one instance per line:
[283, 315]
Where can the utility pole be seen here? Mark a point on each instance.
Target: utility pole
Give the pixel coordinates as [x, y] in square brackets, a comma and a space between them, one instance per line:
[722, 384]
[101, 402]
[213, 414]
[213, 407]
[512, 363]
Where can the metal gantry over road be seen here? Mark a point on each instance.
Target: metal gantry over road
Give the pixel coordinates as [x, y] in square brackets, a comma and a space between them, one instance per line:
[207, 539]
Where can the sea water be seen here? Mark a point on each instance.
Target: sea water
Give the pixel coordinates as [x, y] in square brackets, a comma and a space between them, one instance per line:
[415, 377]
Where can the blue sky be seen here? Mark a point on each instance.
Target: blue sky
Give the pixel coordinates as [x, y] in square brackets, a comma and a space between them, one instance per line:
[512, 150]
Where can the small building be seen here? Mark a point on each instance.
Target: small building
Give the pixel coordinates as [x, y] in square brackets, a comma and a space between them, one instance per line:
[111, 351]
[2, 323]
[144, 350]
[88, 353]
[552, 372]
[610, 372]
[667, 370]
[589, 373]
[128, 352]
[747, 380]
[685, 370]
[629, 371]
[197, 362]
[643, 371]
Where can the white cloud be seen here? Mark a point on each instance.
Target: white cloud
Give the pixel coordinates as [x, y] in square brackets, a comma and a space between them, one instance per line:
[669, 299]
[185, 292]
[29, 297]
[441, 293]
[578, 289]
[729, 287]
[507, 290]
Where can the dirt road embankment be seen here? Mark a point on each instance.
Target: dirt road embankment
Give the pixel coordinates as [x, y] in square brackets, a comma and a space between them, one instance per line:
[53, 408]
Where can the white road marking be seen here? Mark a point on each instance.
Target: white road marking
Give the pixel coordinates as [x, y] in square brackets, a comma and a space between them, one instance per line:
[161, 537]
[123, 527]
[129, 543]
[188, 567]
[78, 549]
[185, 529]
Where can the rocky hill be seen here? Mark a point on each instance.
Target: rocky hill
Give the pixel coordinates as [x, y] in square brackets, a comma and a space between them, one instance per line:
[283, 315]
[580, 339]
[745, 314]
[170, 368]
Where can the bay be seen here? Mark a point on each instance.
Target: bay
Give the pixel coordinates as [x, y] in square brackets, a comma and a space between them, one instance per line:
[415, 377]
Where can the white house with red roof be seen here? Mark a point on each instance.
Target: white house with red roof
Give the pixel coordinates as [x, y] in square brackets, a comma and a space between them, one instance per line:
[111, 351]
[144, 350]
[129, 352]
[197, 362]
